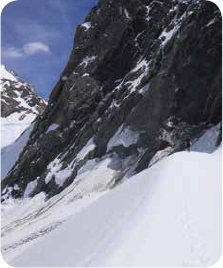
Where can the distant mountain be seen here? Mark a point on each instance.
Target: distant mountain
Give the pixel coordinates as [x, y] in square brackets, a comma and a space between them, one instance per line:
[19, 106]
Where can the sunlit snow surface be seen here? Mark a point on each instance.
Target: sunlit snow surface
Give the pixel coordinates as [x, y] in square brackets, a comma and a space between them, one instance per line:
[12, 127]
[7, 75]
[167, 215]
[10, 154]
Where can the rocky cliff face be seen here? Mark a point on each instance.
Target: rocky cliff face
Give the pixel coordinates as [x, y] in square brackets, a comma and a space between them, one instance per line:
[19, 105]
[142, 76]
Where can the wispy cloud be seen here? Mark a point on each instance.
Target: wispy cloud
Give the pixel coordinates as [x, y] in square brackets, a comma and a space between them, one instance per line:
[28, 49]
[11, 52]
[32, 31]
[35, 47]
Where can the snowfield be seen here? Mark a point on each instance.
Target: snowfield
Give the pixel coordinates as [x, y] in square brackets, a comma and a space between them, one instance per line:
[10, 154]
[167, 215]
[12, 127]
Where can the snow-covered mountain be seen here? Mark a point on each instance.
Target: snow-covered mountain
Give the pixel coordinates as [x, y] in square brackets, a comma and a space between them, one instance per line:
[19, 106]
[102, 177]
[131, 92]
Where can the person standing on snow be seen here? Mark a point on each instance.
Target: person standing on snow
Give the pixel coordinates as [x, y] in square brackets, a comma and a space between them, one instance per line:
[187, 144]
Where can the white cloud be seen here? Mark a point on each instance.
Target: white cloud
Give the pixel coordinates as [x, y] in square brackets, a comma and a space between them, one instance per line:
[27, 50]
[35, 47]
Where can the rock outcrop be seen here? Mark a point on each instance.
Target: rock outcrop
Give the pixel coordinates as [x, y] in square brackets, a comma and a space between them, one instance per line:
[142, 76]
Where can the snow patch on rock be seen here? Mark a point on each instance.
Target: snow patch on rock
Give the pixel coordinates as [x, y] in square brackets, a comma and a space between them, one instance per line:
[86, 25]
[52, 128]
[86, 149]
[123, 136]
[207, 142]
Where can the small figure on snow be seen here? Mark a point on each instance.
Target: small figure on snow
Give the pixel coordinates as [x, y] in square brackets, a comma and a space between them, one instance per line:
[187, 144]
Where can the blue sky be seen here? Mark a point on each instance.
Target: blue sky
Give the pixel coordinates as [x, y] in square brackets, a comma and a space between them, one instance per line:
[37, 38]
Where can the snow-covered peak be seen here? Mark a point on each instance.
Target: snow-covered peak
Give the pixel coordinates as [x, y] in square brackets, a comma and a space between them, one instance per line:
[7, 75]
[19, 106]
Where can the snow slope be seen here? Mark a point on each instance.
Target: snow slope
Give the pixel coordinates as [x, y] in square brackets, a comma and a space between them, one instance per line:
[12, 128]
[10, 154]
[167, 215]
